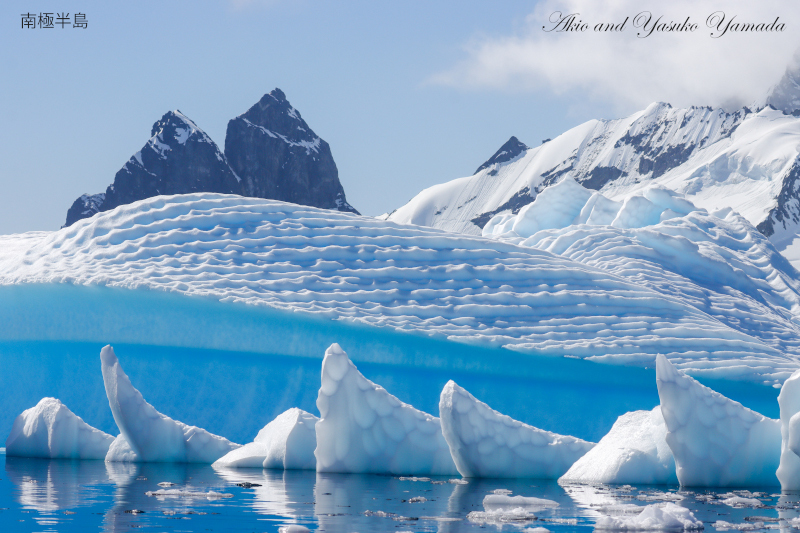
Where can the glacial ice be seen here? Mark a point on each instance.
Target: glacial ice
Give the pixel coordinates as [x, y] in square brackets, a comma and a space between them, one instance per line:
[147, 435]
[716, 442]
[635, 451]
[654, 517]
[485, 443]
[286, 443]
[600, 292]
[51, 430]
[789, 402]
[364, 429]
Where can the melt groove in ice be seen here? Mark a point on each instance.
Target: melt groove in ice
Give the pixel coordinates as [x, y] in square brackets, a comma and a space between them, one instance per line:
[364, 429]
[444, 285]
[485, 443]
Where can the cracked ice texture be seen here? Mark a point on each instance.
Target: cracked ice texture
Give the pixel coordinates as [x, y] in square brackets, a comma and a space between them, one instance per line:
[634, 451]
[485, 443]
[716, 441]
[51, 430]
[364, 429]
[147, 435]
[288, 442]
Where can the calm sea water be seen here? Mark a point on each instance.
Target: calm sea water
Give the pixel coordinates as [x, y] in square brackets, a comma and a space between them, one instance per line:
[42, 495]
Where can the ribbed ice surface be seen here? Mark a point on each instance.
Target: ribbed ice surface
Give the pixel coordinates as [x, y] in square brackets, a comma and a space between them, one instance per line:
[407, 278]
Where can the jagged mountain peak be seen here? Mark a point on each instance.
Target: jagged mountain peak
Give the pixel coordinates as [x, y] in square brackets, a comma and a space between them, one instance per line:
[510, 149]
[785, 95]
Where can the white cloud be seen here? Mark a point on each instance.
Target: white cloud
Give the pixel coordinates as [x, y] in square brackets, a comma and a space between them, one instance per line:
[628, 71]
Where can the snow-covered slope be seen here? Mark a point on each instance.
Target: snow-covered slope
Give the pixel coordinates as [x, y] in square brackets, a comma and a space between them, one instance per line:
[744, 160]
[423, 281]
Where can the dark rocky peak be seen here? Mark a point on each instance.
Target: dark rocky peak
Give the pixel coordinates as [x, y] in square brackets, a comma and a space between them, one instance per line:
[511, 149]
[179, 158]
[279, 156]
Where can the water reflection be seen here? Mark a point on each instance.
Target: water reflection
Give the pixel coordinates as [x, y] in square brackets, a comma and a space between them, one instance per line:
[92, 495]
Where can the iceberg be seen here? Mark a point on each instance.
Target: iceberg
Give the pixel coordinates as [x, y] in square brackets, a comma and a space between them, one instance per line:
[364, 429]
[51, 430]
[485, 443]
[147, 435]
[635, 451]
[287, 443]
[789, 401]
[716, 441]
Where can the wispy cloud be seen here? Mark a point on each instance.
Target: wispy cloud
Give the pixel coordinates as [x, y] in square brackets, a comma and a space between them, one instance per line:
[628, 71]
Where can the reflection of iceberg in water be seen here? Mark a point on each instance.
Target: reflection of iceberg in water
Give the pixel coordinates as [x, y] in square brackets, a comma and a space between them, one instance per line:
[288, 494]
[50, 486]
[53, 485]
[133, 480]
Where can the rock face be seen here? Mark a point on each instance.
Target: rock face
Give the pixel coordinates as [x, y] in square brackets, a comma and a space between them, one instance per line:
[278, 156]
[785, 95]
[273, 154]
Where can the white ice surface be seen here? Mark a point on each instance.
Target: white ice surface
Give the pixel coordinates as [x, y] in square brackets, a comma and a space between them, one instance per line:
[288, 442]
[445, 286]
[364, 429]
[654, 517]
[635, 451]
[147, 435]
[718, 263]
[485, 443]
[789, 402]
[716, 441]
[51, 430]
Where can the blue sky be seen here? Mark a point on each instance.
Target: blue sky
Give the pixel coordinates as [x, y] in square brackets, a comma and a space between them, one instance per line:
[408, 94]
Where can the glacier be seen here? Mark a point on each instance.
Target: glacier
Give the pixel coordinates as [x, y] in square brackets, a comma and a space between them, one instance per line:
[147, 435]
[364, 429]
[485, 443]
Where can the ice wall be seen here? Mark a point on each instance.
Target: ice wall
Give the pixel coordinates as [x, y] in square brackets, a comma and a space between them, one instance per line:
[716, 441]
[286, 443]
[147, 435]
[485, 443]
[51, 430]
[635, 451]
[364, 429]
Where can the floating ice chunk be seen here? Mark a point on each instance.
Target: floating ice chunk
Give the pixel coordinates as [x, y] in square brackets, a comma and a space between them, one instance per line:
[178, 493]
[634, 451]
[716, 441]
[287, 442]
[51, 430]
[501, 516]
[364, 429]
[147, 435]
[504, 501]
[485, 443]
[740, 501]
[293, 528]
[654, 517]
[789, 402]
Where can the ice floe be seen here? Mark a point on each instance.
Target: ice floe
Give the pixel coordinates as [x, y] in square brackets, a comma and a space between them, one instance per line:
[789, 402]
[364, 429]
[654, 517]
[716, 442]
[51, 430]
[147, 435]
[288, 442]
[634, 451]
[485, 443]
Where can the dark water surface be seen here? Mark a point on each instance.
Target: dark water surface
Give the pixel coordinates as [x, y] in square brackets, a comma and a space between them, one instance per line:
[43, 495]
